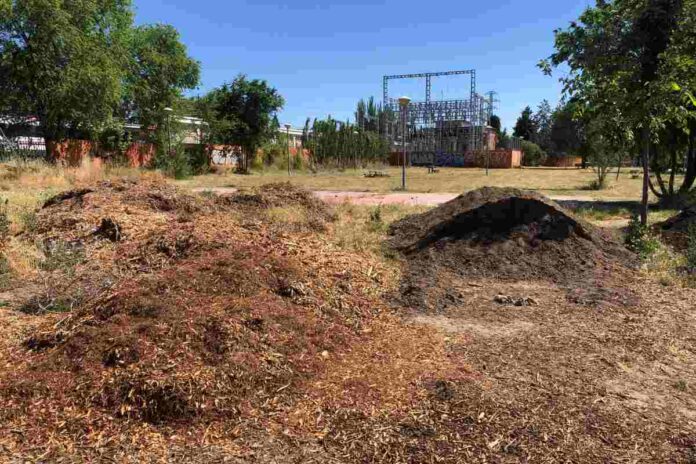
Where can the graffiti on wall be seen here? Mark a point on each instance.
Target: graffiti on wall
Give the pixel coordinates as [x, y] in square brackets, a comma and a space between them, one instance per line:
[441, 159]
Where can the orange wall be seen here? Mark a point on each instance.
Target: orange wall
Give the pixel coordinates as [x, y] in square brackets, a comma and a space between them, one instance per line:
[72, 152]
[140, 154]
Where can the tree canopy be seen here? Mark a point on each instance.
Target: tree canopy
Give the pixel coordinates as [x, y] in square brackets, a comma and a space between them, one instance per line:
[543, 122]
[81, 66]
[64, 62]
[624, 58]
[159, 70]
[525, 127]
[243, 112]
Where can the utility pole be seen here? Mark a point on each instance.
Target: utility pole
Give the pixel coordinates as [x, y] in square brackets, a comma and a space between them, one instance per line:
[491, 106]
[403, 102]
[287, 132]
[169, 128]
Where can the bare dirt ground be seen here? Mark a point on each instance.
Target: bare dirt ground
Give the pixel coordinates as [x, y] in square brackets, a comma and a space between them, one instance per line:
[374, 199]
[583, 358]
[167, 327]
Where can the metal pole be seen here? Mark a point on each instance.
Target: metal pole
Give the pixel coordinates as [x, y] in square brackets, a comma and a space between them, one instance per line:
[403, 102]
[403, 145]
[488, 153]
[287, 132]
[169, 133]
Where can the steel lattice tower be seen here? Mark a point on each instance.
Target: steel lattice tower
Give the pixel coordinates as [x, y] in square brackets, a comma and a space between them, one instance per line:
[442, 127]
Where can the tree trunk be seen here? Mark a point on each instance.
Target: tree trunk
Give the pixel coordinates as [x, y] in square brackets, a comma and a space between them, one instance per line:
[645, 138]
[618, 170]
[661, 183]
[690, 176]
[653, 189]
[673, 172]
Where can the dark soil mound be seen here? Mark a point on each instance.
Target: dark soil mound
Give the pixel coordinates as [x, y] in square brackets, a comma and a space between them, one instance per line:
[681, 222]
[676, 228]
[501, 233]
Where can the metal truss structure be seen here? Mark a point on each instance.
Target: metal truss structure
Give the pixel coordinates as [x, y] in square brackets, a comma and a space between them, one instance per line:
[442, 128]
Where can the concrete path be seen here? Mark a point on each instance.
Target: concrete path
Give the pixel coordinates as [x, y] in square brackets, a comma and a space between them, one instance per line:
[394, 198]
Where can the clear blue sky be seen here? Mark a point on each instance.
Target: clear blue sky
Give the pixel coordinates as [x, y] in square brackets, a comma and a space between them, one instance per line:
[324, 56]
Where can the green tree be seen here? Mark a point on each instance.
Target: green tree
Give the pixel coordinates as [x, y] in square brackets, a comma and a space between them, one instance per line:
[567, 131]
[617, 53]
[495, 123]
[525, 127]
[605, 149]
[368, 115]
[243, 114]
[64, 62]
[160, 70]
[533, 154]
[504, 139]
[543, 123]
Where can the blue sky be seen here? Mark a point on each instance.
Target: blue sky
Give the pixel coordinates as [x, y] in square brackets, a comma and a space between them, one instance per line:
[323, 57]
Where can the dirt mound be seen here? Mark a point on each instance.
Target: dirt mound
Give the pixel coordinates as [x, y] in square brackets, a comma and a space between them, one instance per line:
[168, 315]
[675, 229]
[501, 233]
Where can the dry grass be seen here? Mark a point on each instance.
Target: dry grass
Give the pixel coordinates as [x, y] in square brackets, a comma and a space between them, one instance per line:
[363, 228]
[554, 182]
[25, 185]
[317, 366]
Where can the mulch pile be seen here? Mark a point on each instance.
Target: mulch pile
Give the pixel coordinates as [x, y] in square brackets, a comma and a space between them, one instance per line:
[167, 327]
[499, 233]
[173, 327]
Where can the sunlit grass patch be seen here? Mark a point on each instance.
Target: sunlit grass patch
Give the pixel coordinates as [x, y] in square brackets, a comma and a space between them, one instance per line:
[602, 214]
[364, 228]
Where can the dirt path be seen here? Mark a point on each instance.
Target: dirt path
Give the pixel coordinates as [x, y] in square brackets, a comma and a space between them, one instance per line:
[372, 198]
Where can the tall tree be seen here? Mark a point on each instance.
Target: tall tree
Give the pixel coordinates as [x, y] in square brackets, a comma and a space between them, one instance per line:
[361, 113]
[615, 53]
[543, 123]
[244, 111]
[525, 126]
[495, 123]
[64, 62]
[567, 131]
[160, 70]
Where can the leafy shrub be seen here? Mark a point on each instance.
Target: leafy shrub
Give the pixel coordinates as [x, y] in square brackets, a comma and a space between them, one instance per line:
[298, 162]
[274, 153]
[598, 184]
[198, 160]
[533, 154]
[640, 240]
[175, 164]
[257, 164]
[178, 166]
